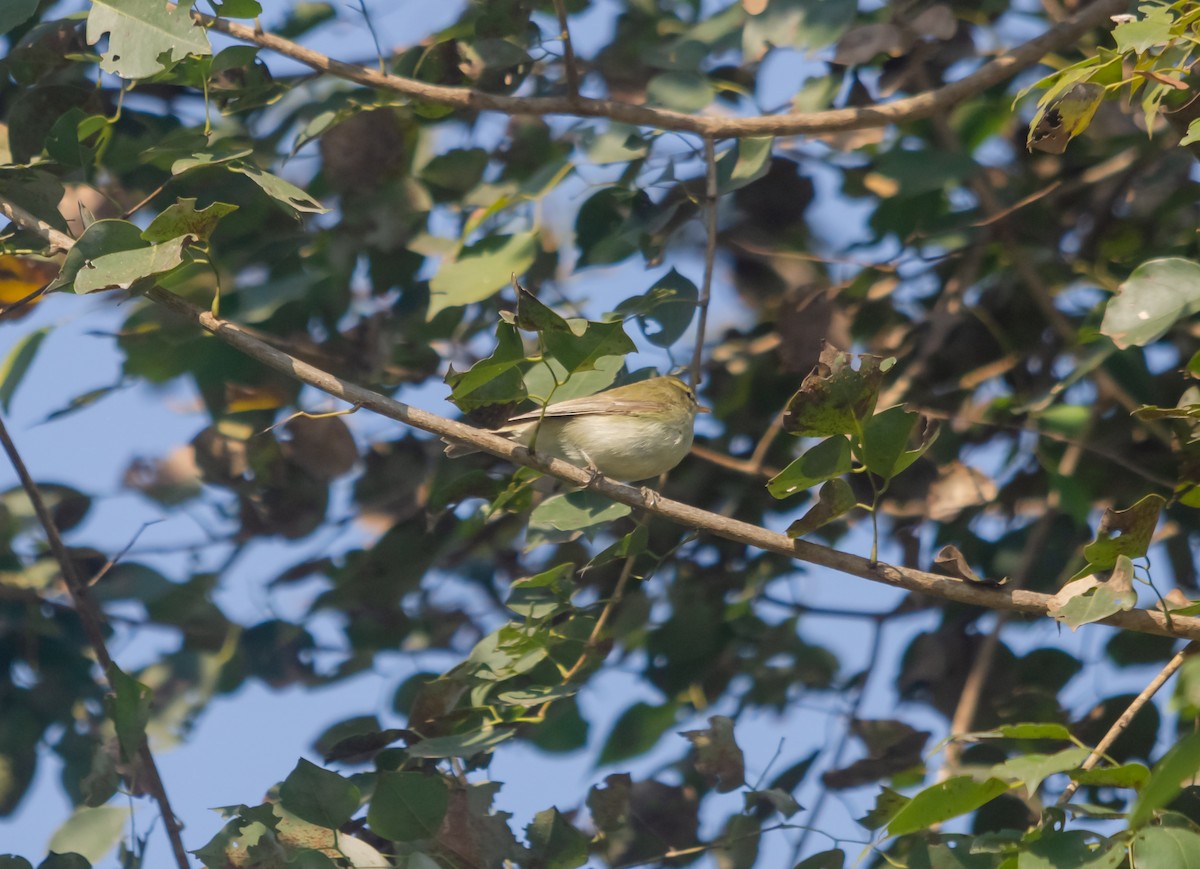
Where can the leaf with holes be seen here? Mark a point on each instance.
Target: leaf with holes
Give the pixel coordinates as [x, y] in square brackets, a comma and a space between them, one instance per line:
[144, 36]
[1122, 532]
[836, 398]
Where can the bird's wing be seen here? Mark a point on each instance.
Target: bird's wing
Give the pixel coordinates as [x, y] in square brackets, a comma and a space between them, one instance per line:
[590, 405]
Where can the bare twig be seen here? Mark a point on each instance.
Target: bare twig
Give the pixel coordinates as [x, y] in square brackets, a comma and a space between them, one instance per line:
[710, 253]
[560, 9]
[1127, 716]
[922, 105]
[597, 629]
[843, 739]
[92, 621]
[749, 467]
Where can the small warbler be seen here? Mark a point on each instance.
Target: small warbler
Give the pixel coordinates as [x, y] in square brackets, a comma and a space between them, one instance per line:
[628, 433]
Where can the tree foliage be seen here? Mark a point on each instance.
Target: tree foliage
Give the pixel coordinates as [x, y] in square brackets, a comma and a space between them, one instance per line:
[941, 301]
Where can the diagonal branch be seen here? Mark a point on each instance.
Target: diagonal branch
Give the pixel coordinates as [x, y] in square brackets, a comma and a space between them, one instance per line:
[922, 105]
[710, 253]
[92, 621]
[942, 587]
[1127, 716]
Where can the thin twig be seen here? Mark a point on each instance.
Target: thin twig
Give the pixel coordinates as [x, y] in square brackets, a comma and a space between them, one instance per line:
[743, 466]
[92, 621]
[25, 300]
[112, 562]
[1127, 716]
[593, 639]
[560, 9]
[843, 739]
[710, 252]
[922, 105]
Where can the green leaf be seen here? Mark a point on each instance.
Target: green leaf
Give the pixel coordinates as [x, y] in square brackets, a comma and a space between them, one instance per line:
[609, 805]
[121, 270]
[637, 731]
[1128, 775]
[182, 218]
[13, 12]
[1124, 533]
[144, 36]
[718, 757]
[1166, 848]
[461, 744]
[1028, 730]
[104, 237]
[1152, 29]
[77, 138]
[555, 843]
[888, 804]
[682, 91]
[129, 708]
[319, 796]
[1151, 300]
[481, 270]
[494, 380]
[828, 459]
[238, 8]
[744, 163]
[543, 595]
[836, 398]
[16, 364]
[575, 511]
[1032, 769]
[1190, 138]
[1078, 849]
[284, 192]
[408, 805]
[579, 353]
[1088, 600]
[835, 499]
[886, 436]
[835, 858]
[669, 306]
[940, 802]
[534, 316]
[61, 861]
[90, 832]
[1177, 766]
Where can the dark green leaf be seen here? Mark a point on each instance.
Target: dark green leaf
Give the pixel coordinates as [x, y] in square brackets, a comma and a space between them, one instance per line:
[319, 796]
[408, 805]
[828, 459]
[13, 12]
[717, 755]
[1123, 532]
[575, 511]
[836, 398]
[886, 438]
[1078, 849]
[579, 352]
[554, 841]
[835, 499]
[1178, 765]
[62, 861]
[888, 804]
[744, 163]
[834, 858]
[669, 305]
[494, 380]
[637, 731]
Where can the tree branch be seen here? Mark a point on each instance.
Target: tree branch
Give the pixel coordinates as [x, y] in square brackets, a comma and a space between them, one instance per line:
[922, 105]
[92, 621]
[560, 9]
[1127, 716]
[710, 253]
[945, 588]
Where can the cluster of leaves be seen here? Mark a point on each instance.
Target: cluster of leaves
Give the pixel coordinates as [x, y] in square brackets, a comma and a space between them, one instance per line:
[1026, 302]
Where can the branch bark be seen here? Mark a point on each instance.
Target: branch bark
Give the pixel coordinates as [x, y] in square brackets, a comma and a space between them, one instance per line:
[945, 588]
[92, 620]
[922, 105]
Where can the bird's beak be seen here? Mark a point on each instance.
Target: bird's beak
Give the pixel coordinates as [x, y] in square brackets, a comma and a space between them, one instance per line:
[700, 408]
